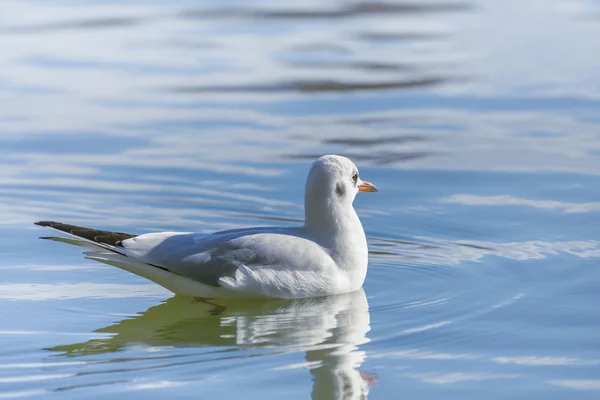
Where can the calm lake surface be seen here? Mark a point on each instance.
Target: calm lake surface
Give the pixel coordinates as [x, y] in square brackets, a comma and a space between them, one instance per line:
[479, 122]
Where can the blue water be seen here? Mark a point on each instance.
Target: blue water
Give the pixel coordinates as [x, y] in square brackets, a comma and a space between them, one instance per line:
[478, 121]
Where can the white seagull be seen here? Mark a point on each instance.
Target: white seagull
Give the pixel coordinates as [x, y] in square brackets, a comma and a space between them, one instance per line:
[327, 255]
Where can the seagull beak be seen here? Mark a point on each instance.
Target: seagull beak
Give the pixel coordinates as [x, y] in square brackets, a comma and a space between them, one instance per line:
[367, 187]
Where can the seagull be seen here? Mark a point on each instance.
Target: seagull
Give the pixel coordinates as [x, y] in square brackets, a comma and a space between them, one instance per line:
[325, 256]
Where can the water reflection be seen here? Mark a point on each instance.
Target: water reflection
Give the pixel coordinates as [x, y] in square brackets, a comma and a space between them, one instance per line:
[311, 86]
[344, 10]
[329, 331]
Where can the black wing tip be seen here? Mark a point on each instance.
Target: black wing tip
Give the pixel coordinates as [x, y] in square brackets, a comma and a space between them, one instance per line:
[44, 223]
[95, 235]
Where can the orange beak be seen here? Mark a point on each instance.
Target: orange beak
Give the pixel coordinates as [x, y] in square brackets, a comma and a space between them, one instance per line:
[367, 187]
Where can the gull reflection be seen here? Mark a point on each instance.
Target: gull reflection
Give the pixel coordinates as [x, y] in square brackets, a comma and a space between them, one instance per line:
[329, 331]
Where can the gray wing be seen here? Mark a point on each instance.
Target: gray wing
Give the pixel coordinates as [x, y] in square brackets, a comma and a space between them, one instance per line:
[208, 258]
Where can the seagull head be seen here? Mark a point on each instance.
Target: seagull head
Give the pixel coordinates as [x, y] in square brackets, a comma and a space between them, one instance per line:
[333, 182]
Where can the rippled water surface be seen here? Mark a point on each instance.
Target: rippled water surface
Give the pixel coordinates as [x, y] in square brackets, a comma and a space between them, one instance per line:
[478, 121]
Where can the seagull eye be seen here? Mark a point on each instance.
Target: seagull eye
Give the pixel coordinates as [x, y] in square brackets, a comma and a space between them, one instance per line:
[354, 177]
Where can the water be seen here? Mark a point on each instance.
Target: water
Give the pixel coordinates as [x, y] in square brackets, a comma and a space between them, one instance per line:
[478, 122]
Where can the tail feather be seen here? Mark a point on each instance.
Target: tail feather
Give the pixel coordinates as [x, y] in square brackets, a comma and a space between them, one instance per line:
[93, 239]
[86, 244]
[105, 247]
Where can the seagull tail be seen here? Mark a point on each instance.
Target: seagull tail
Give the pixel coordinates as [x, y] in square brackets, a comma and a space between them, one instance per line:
[106, 247]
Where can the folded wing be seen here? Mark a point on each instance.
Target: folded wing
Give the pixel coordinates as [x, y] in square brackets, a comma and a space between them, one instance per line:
[238, 260]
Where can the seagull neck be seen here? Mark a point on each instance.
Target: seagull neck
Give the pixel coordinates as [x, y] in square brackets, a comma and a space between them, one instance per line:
[329, 218]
